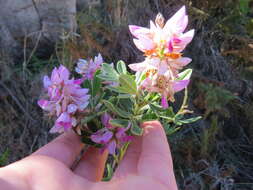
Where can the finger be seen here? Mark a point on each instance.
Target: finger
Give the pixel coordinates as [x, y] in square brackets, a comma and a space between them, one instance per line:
[129, 163]
[155, 159]
[64, 148]
[92, 164]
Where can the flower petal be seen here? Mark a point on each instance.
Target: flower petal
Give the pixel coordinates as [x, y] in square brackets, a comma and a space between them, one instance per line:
[164, 102]
[138, 31]
[46, 81]
[180, 85]
[112, 147]
[71, 108]
[101, 136]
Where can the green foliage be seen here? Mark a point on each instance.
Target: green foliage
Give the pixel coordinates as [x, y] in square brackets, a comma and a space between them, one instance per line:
[109, 172]
[208, 138]
[121, 67]
[127, 84]
[108, 73]
[4, 158]
[244, 6]
[215, 98]
[135, 128]
[119, 122]
[115, 109]
[185, 75]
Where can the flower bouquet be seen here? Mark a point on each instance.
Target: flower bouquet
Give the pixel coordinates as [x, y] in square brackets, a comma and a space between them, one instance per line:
[108, 103]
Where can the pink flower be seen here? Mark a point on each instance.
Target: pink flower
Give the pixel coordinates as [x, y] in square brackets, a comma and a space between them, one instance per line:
[164, 85]
[65, 98]
[111, 136]
[88, 68]
[163, 40]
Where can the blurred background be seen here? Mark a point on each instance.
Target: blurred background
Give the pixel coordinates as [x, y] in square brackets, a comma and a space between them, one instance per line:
[213, 153]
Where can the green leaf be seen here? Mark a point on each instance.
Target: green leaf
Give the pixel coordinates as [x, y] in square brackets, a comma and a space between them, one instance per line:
[135, 129]
[114, 89]
[127, 84]
[119, 122]
[139, 76]
[116, 110]
[124, 96]
[96, 87]
[87, 119]
[108, 73]
[170, 112]
[109, 173]
[4, 158]
[244, 6]
[121, 67]
[185, 75]
[191, 120]
[156, 108]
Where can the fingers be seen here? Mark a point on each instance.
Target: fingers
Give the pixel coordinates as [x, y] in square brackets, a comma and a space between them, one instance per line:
[155, 159]
[129, 163]
[92, 165]
[64, 148]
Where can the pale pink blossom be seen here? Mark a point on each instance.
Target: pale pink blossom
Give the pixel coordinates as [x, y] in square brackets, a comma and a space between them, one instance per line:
[65, 98]
[165, 86]
[163, 40]
[88, 68]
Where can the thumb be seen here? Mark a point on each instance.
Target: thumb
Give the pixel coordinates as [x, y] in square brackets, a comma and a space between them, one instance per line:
[155, 159]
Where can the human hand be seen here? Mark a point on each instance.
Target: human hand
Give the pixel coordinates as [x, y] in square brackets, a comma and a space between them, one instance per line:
[146, 165]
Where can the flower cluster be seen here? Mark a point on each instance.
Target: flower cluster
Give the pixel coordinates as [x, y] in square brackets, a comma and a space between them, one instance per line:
[66, 97]
[107, 104]
[162, 45]
[88, 68]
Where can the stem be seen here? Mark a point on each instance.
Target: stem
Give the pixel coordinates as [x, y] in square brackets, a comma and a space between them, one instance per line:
[184, 102]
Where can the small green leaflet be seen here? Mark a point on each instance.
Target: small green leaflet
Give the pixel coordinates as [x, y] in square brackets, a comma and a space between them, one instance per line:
[135, 129]
[116, 110]
[127, 84]
[119, 122]
[185, 75]
[121, 67]
[108, 73]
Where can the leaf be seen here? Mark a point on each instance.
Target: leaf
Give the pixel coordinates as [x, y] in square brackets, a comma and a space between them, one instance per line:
[119, 122]
[116, 110]
[121, 67]
[109, 173]
[185, 75]
[156, 108]
[170, 112]
[244, 6]
[127, 84]
[191, 120]
[4, 158]
[139, 76]
[124, 96]
[108, 73]
[96, 84]
[135, 129]
[114, 89]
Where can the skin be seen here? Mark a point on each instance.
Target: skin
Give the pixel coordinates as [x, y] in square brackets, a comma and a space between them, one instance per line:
[146, 165]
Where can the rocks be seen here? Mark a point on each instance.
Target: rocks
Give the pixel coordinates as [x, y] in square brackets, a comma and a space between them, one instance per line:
[33, 21]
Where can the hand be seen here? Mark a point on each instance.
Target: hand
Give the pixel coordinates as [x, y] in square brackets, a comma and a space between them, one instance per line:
[146, 165]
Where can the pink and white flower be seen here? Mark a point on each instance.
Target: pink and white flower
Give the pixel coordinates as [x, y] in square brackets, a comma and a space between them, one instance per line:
[163, 40]
[88, 68]
[65, 98]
